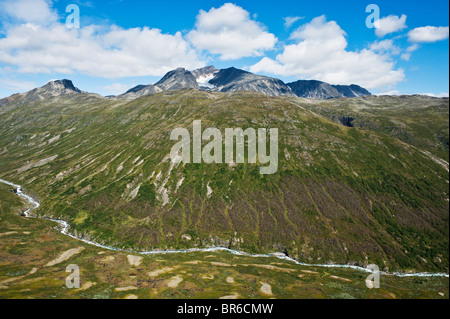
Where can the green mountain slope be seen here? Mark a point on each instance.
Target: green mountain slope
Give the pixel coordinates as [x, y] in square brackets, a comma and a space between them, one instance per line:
[342, 195]
[418, 120]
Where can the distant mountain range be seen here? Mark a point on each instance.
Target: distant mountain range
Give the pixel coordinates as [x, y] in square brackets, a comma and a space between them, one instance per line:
[233, 80]
[207, 79]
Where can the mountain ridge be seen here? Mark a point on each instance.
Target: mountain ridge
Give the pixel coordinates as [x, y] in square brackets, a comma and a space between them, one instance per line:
[236, 80]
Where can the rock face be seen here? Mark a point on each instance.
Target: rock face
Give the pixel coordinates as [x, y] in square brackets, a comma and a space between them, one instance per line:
[351, 90]
[178, 79]
[66, 86]
[53, 88]
[346, 121]
[319, 90]
[232, 80]
[314, 90]
[204, 72]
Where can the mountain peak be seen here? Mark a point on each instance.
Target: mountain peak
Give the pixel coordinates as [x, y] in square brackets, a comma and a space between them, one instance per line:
[61, 87]
[178, 79]
[49, 90]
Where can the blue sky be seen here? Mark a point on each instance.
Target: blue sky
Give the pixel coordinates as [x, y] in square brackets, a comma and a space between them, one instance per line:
[121, 44]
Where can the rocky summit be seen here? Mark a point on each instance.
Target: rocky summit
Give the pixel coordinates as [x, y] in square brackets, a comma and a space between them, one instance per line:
[51, 89]
[178, 79]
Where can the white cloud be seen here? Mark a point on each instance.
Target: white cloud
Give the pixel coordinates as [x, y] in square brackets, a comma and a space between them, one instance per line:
[406, 56]
[320, 53]
[17, 85]
[117, 88]
[109, 52]
[389, 24]
[385, 47]
[428, 34]
[29, 11]
[230, 32]
[393, 92]
[440, 95]
[289, 21]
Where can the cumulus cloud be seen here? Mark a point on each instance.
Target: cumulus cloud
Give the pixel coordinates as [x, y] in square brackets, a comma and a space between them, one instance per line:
[388, 48]
[109, 52]
[389, 24]
[32, 11]
[428, 34]
[231, 33]
[320, 53]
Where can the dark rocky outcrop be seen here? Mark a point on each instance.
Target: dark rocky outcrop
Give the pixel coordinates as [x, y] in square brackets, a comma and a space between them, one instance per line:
[351, 90]
[346, 121]
[311, 89]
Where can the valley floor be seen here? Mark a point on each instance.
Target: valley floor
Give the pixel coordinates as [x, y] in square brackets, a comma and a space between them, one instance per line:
[34, 256]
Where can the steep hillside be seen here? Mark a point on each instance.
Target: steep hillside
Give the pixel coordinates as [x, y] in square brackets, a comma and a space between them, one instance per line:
[341, 194]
